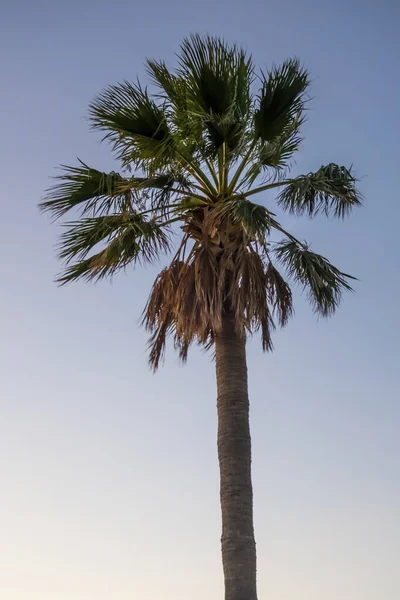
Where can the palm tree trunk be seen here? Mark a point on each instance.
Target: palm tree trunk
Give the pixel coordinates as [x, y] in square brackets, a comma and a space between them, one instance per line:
[234, 453]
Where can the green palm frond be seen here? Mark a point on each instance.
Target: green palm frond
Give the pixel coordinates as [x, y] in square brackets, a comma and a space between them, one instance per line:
[271, 160]
[135, 124]
[217, 80]
[218, 75]
[324, 282]
[170, 86]
[172, 90]
[83, 187]
[96, 193]
[127, 238]
[278, 153]
[157, 191]
[81, 236]
[281, 100]
[255, 218]
[330, 190]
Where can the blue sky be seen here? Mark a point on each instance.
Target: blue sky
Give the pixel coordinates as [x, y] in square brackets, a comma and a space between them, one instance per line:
[109, 474]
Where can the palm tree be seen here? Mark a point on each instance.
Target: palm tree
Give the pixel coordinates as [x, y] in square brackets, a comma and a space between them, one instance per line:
[194, 152]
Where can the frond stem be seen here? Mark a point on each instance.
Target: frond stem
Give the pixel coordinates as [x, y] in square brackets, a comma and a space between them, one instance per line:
[211, 168]
[268, 186]
[199, 176]
[241, 167]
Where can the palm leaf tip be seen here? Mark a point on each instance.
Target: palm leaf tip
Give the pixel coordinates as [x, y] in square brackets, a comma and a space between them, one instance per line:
[84, 269]
[331, 190]
[324, 282]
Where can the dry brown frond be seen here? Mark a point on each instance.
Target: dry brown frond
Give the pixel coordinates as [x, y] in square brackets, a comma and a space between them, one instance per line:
[222, 271]
[279, 295]
[189, 297]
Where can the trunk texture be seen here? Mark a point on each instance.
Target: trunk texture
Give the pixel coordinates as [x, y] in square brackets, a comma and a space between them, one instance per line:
[234, 454]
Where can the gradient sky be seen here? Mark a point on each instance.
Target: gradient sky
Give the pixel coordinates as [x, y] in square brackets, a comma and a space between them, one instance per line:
[109, 478]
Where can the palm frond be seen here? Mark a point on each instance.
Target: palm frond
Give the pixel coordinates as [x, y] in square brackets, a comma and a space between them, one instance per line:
[172, 89]
[331, 190]
[255, 218]
[81, 236]
[156, 191]
[218, 75]
[249, 297]
[170, 86]
[136, 126]
[278, 153]
[217, 78]
[324, 282]
[127, 238]
[281, 100]
[188, 298]
[83, 187]
[279, 295]
[96, 193]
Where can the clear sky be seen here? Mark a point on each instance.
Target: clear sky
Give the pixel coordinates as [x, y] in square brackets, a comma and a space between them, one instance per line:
[109, 480]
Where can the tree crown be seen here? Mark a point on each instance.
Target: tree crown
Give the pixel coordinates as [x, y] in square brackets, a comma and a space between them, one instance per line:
[210, 135]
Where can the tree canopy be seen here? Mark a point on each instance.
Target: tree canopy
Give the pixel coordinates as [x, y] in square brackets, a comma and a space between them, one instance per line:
[194, 148]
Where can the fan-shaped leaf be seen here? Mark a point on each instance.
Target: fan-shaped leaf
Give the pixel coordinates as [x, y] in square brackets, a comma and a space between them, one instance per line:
[324, 282]
[135, 124]
[87, 188]
[281, 100]
[127, 238]
[331, 190]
